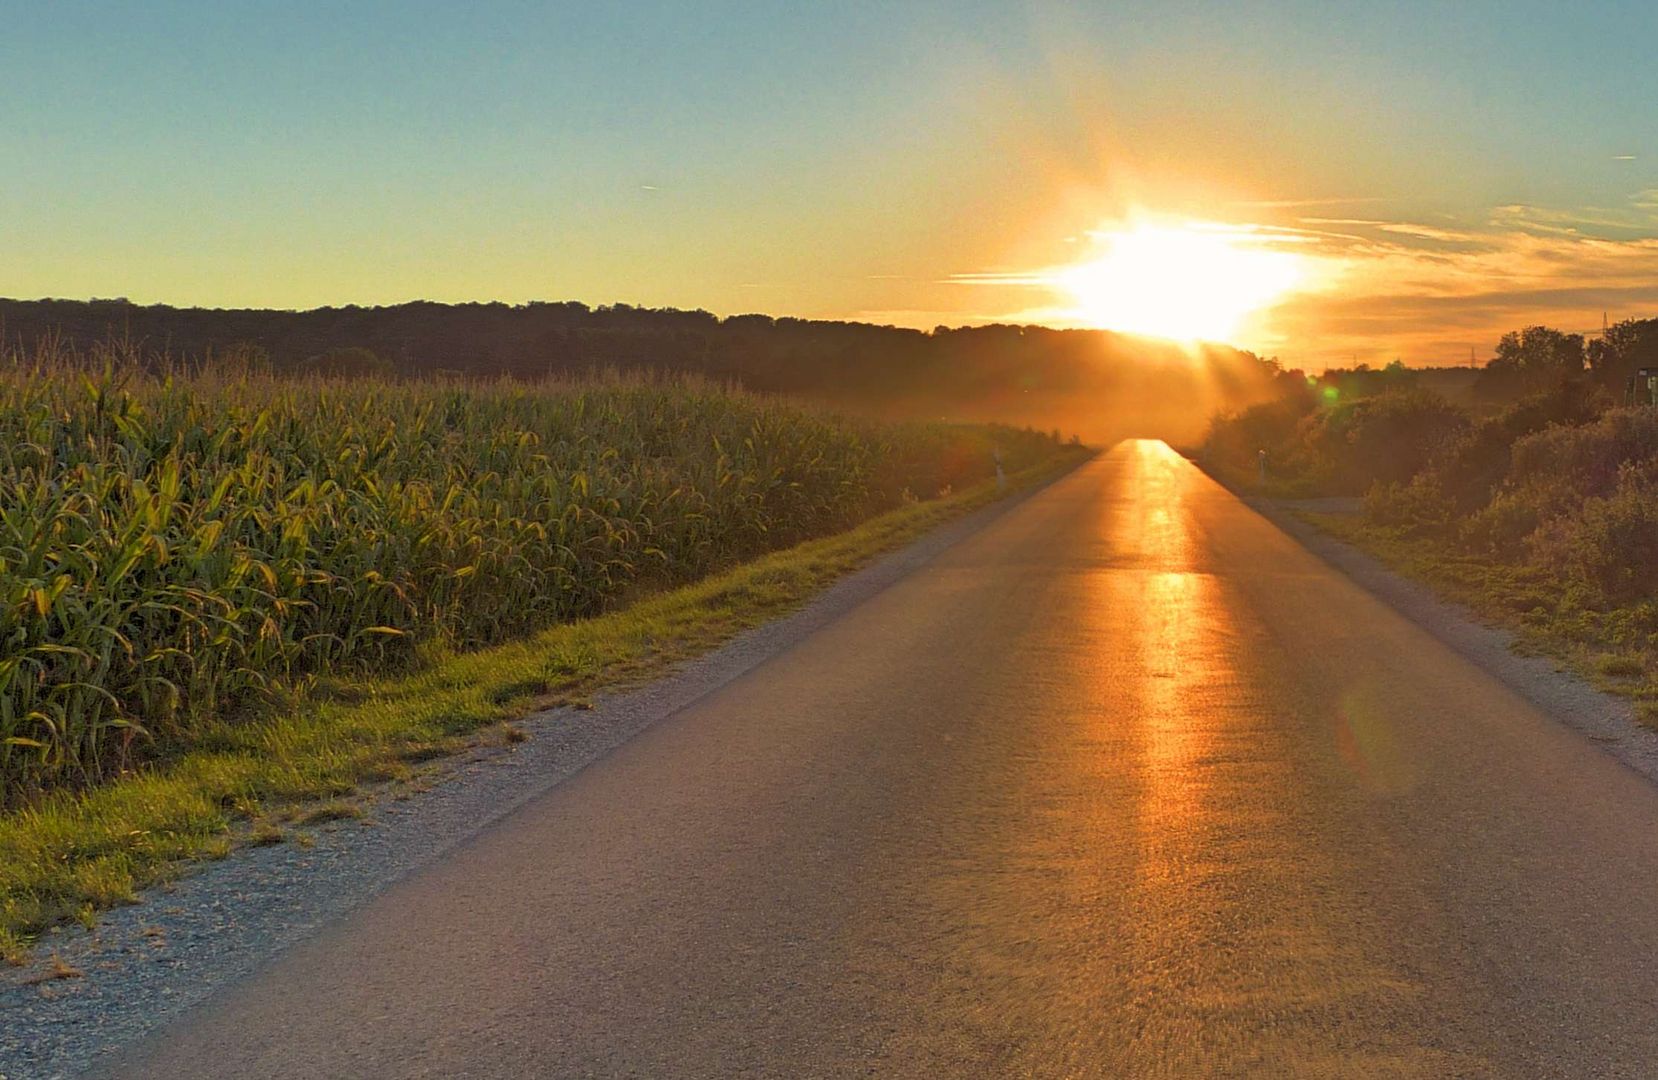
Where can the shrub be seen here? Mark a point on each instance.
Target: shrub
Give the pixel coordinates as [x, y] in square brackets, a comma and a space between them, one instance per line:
[1564, 465]
[1271, 426]
[1549, 475]
[1419, 506]
[1383, 439]
[1472, 465]
[1345, 447]
[1610, 542]
[1501, 526]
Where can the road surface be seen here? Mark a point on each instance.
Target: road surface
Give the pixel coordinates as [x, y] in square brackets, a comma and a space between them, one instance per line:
[1125, 784]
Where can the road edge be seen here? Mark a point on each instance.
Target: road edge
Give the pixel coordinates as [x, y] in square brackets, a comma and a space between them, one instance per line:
[1606, 719]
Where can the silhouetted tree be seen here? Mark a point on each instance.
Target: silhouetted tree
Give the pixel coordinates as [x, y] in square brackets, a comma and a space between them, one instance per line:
[1532, 359]
[1625, 347]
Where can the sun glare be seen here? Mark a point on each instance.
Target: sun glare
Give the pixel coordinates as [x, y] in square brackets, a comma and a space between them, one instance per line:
[1189, 282]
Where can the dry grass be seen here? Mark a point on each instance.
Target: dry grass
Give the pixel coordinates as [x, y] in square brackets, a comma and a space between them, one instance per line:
[56, 970]
[332, 810]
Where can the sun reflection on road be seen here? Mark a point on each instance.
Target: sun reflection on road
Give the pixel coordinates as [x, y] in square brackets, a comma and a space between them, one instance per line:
[1217, 820]
[1174, 604]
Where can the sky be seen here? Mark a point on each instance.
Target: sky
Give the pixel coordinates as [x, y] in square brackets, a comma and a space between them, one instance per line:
[1437, 173]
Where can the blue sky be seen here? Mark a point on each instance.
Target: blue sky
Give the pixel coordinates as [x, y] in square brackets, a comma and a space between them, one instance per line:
[845, 160]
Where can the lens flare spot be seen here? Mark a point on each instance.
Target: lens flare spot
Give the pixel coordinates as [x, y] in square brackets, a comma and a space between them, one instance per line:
[1364, 738]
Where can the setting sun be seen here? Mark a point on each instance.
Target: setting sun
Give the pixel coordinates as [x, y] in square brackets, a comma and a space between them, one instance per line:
[1187, 282]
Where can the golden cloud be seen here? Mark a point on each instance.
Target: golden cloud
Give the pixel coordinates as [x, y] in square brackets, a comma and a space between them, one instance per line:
[1431, 292]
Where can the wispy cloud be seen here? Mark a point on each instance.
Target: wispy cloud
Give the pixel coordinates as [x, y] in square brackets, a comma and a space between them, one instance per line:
[1430, 292]
[929, 317]
[1031, 278]
[1301, 204]
[1425, 232]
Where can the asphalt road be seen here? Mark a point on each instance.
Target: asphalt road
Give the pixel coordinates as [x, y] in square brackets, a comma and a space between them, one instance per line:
[1125, 784]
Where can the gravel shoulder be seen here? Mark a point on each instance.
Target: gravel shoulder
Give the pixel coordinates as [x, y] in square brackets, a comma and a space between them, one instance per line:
[91, 992]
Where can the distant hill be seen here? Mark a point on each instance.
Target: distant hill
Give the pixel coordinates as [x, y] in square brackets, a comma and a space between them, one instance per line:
[1098, 383]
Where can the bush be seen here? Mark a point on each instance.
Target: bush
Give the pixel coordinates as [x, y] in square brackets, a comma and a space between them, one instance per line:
[1471, 466]
[1344, 447]
[1501, 526]
[1419, 506]
[1568, 464]
[1272, 426]
[1610, 543]
[1385, 439]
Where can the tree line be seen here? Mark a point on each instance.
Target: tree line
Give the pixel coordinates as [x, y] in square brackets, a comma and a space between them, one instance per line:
[1023, 374]
[1537, 357]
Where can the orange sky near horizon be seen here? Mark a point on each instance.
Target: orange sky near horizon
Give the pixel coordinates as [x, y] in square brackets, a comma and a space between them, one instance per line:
[1365, 289]
[1329, 182]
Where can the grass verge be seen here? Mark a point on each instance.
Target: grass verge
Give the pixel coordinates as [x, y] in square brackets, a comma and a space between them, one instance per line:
[1611, 647]
[75, 854]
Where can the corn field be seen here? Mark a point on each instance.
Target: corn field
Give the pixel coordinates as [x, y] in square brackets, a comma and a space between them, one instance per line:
[174, 550]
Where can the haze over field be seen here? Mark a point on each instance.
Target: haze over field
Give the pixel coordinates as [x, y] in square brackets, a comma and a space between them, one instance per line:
[1329, 182]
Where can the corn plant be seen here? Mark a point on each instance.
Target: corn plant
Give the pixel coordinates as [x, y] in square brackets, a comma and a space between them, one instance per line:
[175, 548]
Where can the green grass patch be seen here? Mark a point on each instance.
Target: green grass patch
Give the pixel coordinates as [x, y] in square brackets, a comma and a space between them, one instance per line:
[1616, 666]
[74, 853]
[1647, 713]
